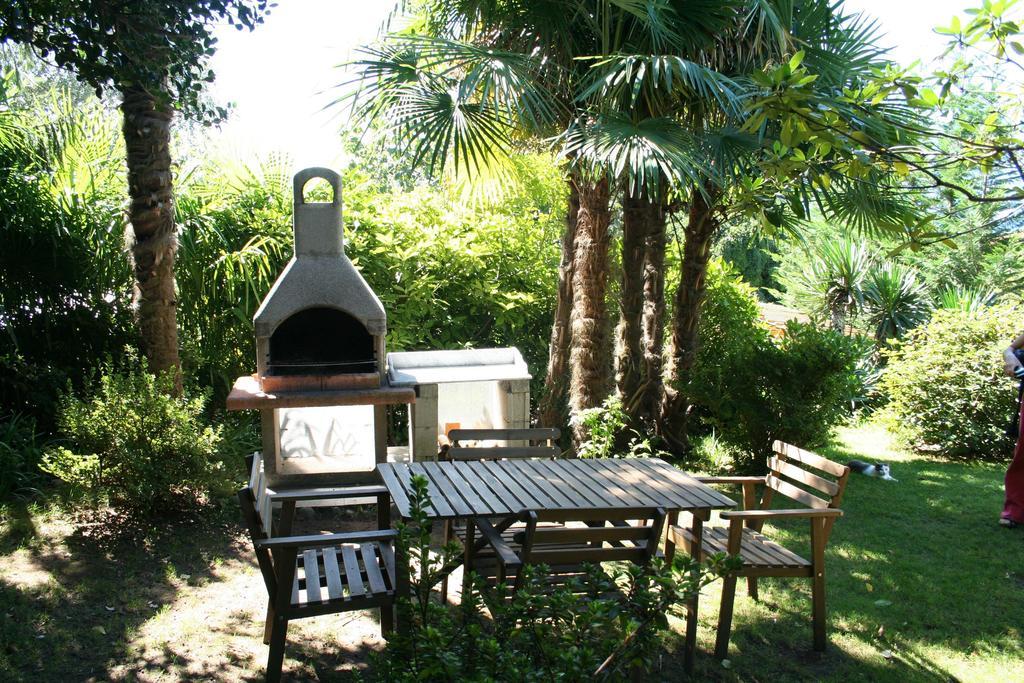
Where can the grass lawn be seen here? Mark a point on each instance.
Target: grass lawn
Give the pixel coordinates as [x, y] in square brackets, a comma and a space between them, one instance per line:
[917, 570]
[922, 583]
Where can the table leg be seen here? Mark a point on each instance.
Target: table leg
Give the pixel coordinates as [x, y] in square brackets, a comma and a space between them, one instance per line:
[690, 649]
[470, 550]
[670, 539]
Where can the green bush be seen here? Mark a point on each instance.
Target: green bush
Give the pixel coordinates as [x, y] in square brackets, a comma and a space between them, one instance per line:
[132, 443]
[20, 452]
[572, 633]
[945, 384]
[753, 389]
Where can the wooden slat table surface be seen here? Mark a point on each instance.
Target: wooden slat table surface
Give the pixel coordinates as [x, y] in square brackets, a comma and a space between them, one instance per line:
[508, 487]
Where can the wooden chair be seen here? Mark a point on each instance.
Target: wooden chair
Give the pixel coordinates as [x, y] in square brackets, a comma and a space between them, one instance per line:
[572, 539]
[813, 482]
[534, 444]
[308, 576]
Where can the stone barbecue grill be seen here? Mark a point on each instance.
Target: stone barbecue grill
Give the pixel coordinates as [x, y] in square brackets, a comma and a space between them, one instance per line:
[320, 384]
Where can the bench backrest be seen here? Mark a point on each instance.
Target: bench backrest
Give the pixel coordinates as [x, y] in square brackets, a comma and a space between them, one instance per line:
[539, 442]
[805, 478]
[254, 523]
[605, 535]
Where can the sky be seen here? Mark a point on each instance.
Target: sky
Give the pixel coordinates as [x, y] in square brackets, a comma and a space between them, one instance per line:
[280, 77]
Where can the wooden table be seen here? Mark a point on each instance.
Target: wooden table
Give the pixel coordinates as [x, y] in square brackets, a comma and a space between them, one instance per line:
[507, 488]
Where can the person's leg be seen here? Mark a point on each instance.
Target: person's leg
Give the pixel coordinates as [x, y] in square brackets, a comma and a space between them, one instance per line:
[1013, 508]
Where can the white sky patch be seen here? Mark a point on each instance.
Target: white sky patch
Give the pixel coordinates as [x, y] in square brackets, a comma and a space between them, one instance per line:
[281, 76]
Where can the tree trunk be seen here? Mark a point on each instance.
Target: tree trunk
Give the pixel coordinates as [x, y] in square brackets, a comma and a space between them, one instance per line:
[700, 230]
[147, 136]
[638, 363]
[552, 408]
[652, 333]
[590, 350]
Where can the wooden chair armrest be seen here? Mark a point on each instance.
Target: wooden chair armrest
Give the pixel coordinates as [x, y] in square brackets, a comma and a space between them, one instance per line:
[321, 540]
[730, 480]
[761, 515]
[329, 493]
[506, 556]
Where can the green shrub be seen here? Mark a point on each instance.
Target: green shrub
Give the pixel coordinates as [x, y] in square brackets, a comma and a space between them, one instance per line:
[945, 384]
[20, 452]
[132, 443]
[753, 389]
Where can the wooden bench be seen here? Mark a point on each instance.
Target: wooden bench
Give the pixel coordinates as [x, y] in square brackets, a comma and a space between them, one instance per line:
[814, 483]
[505, 444]
[565, 541]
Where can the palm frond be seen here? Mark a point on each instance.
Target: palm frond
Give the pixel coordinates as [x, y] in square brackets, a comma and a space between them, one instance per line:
[647, 154]
[628, 78]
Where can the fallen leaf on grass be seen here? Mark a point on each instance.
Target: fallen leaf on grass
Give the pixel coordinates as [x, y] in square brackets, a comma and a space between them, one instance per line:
[883, 603]
[726, 664]
[99, 629]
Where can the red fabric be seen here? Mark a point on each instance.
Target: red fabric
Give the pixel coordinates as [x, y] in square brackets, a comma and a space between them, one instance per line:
[1014, 507]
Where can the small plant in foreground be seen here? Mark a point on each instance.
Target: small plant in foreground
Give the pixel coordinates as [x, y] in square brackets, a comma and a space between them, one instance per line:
[608, 434]
[133, 443]
[571, 634]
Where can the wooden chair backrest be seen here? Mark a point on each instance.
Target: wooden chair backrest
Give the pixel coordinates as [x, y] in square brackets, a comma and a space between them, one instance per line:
[254, 523]
[539, 442]
[605, 538]
[258, 484]
[806, 478]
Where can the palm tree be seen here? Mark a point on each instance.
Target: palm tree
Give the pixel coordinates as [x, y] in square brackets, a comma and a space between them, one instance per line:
[895, 301]
[543, 86]
[832, 285]
[768, 162]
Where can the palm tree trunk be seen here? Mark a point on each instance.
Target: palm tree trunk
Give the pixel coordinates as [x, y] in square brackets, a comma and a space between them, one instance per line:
[652, 333]
[700, 230]
[590, 350]
[631, 304]
[638, 363]
[551, 411]
[147, 136]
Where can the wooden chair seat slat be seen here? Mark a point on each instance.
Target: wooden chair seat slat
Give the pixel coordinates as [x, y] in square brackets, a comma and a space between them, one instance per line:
[311, 572]
[372, 565]
[387, 556]
[755, 550]
[353, 577]
[335, 591]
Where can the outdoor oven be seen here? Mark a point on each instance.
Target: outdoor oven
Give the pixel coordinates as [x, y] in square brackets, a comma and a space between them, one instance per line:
[320, 384]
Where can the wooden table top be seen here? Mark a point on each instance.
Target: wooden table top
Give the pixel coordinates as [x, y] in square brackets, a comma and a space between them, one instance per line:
[500, 488]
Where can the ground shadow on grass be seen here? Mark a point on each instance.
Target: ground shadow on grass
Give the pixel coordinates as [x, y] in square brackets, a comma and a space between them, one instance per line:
[84, 588]
[103, 599]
